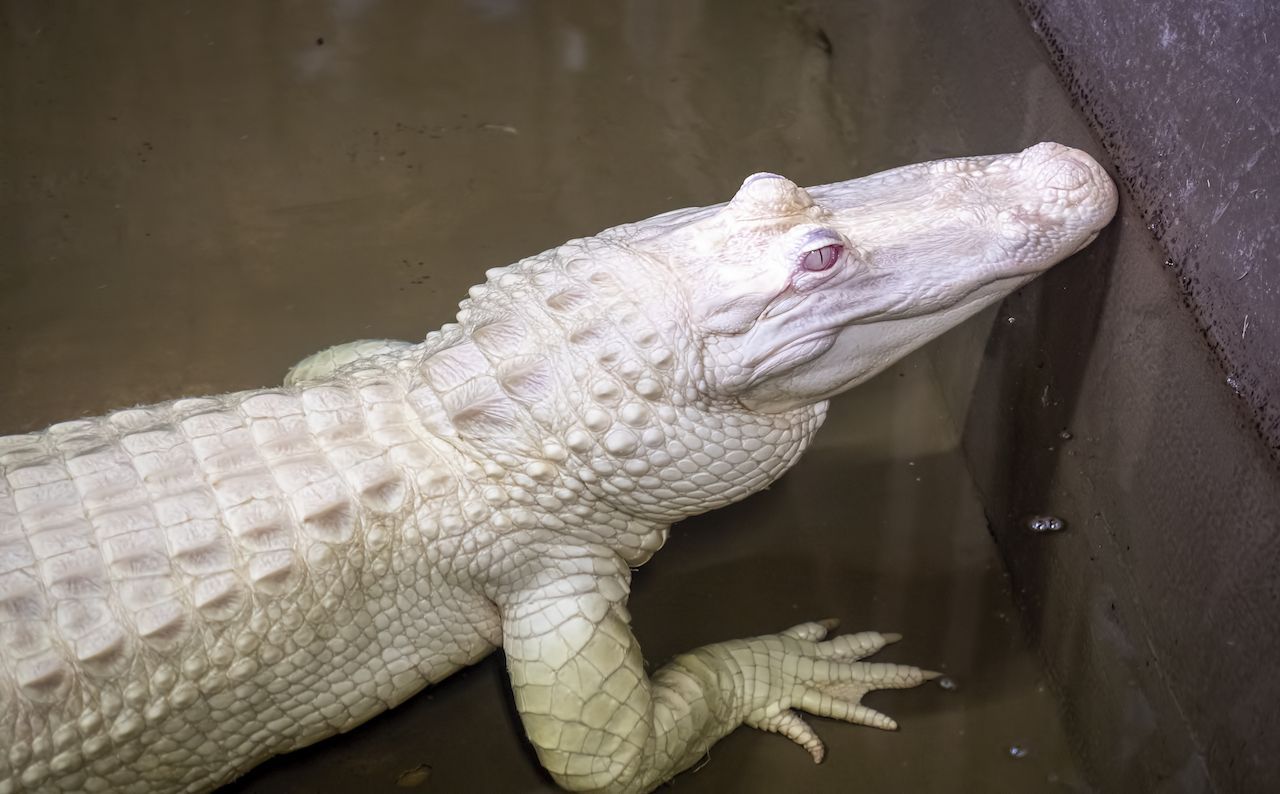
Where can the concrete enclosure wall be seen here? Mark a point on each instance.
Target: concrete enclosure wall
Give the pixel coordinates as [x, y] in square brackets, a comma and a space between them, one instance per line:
[1157, 611]
[1184, 97]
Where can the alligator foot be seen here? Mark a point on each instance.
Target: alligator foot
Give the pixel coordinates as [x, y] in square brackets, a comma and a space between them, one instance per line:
[810, 673]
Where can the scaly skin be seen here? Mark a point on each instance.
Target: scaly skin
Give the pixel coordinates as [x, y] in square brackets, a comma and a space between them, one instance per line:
[189, 588]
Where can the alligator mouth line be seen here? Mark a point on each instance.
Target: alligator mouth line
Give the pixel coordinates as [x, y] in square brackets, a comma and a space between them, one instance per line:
[811, 345]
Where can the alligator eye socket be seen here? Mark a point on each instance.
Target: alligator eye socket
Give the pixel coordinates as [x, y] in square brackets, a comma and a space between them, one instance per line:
[823, 258]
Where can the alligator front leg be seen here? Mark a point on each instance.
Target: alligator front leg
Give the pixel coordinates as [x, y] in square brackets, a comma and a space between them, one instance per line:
[599, 723]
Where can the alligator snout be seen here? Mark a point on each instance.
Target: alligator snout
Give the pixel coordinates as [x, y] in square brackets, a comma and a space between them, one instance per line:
[1066, 173]
[1072, 198]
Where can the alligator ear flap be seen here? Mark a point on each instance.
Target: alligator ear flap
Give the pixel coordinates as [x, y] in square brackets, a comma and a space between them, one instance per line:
[766, 195]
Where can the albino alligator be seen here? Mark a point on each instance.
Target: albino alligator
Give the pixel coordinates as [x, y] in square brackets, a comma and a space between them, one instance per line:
[187, 589]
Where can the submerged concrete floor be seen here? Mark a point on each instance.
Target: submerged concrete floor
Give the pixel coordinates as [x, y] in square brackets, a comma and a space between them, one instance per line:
[192, 197]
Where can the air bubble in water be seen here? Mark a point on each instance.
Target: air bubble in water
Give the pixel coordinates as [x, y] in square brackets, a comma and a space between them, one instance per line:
[1065, 435]
[1046, 524]
[948, 683]
[1017, 751]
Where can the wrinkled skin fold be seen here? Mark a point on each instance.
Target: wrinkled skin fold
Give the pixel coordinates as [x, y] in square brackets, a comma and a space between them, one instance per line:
[189, 588]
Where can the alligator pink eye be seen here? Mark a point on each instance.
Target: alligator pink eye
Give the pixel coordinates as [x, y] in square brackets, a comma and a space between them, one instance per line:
[823, 258]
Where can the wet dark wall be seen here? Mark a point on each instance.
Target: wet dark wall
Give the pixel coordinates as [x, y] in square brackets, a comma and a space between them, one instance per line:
[1144, 408]
[1185, 97]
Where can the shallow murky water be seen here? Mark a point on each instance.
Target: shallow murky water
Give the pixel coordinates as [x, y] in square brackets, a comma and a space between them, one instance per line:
[194, 197]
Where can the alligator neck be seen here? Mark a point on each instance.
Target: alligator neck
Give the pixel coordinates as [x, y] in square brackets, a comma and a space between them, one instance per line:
[554, 374]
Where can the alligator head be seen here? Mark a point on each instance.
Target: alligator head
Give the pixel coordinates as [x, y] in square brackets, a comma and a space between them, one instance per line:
[800, 294]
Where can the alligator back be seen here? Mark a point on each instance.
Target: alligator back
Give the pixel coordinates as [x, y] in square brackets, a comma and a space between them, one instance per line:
[212, 581]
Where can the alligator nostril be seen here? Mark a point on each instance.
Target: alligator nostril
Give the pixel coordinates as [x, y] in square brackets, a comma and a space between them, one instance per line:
[1065, 172]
